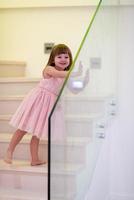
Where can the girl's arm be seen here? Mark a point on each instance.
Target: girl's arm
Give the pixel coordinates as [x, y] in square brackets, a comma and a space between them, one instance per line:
[78, 72]
[52, 72]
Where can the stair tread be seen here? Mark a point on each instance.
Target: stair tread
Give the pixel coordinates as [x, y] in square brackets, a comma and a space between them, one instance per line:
[5, 117]
[19, 79]
[24, 166]
[102, 97]
[12, 62]
[20, 194]
[12, 97]
[84, 116]
[73, 117]
[68, 98]
[5, 137]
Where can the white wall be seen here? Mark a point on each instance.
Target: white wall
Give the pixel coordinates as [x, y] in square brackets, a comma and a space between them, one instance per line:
[122, 147]
[25, 30]
[115, 180]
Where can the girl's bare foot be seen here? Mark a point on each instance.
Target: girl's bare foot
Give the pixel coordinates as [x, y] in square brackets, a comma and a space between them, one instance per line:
[38, 162]
[8, 157]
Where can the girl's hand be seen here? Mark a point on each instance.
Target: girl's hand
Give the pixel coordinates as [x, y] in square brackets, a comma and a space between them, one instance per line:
[79, 71]
[80, 68]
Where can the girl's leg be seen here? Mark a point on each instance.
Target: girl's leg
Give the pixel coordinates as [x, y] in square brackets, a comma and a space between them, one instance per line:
[34, 148]
[18, 135]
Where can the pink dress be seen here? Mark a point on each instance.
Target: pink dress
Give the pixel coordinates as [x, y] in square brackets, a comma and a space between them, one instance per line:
[32, 114]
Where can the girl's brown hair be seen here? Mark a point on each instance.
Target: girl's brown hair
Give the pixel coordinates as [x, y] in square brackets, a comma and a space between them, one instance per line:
[60, 49]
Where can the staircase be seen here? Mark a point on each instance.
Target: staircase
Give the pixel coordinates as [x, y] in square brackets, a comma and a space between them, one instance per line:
[87, 119]
[20, 181]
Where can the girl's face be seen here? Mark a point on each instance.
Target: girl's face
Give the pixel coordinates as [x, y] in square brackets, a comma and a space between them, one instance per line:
[62, 61]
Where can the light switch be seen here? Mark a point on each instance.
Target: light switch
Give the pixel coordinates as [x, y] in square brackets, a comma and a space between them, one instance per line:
[95, 62]
[48, 47]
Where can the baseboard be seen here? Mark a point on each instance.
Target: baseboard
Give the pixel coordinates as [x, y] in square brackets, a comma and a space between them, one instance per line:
[121, 197]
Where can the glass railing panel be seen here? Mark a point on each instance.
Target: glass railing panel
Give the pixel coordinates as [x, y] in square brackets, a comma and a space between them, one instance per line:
[80, 116]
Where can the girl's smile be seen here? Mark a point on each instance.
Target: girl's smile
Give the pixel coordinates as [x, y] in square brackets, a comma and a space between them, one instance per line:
[62, 61]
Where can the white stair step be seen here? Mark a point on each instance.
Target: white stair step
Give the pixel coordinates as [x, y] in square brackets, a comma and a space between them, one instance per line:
[77, 106]
[12, 68]
[22, 176]
[23, 167]
[19, 194]
[5, 137]
[23, 147]
[9, 104]
[85, 105]
[81, 125]
[17, 86]
[75, 125]
[4, 124]
[74, 150]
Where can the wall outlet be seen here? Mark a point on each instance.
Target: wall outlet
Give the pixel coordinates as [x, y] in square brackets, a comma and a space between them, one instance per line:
[95, 62]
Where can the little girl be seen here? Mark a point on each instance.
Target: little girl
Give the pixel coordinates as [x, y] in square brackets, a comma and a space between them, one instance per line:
[32, 115]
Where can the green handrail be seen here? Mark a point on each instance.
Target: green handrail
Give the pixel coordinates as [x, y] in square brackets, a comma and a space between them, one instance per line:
[49, 119]
[76, 56]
